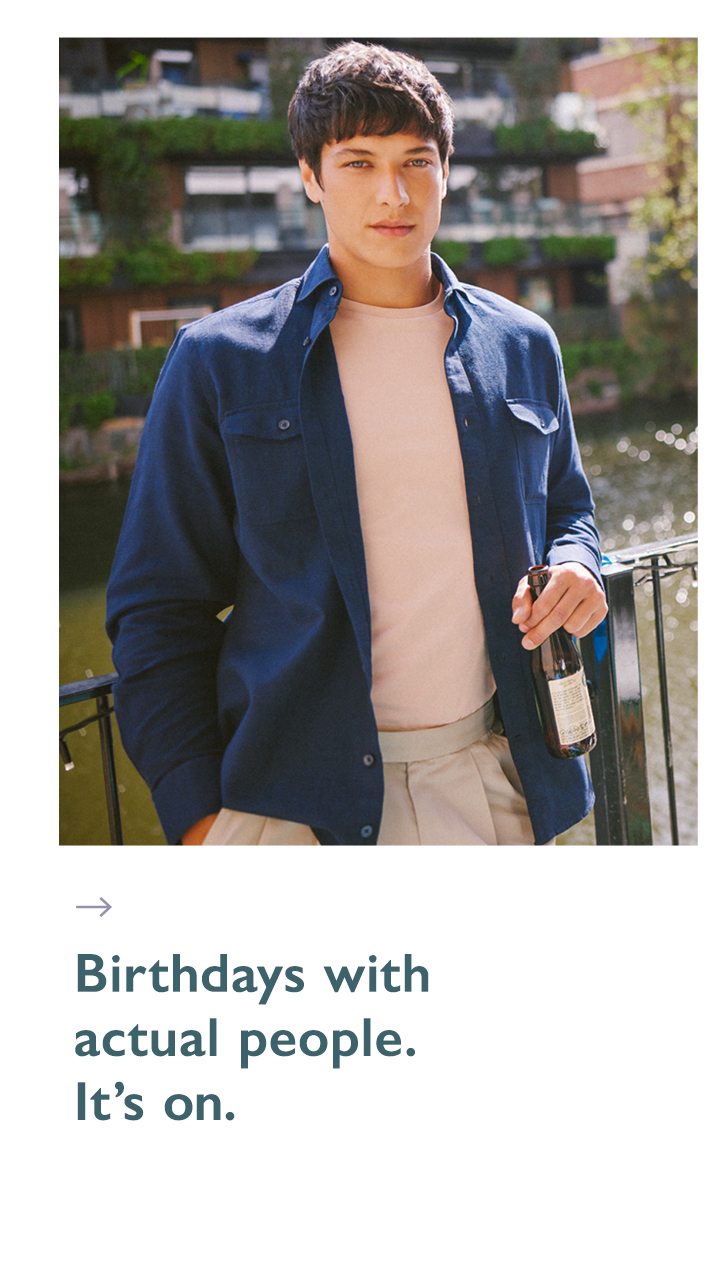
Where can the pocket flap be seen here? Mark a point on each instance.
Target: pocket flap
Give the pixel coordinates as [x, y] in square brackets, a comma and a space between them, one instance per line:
[537, 413]
[278, 421]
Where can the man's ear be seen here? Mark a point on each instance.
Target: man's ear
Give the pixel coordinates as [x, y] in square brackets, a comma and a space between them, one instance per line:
[446, 169]
[313, 189]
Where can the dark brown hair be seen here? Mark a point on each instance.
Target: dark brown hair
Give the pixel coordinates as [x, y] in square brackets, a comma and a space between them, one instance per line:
[364, 89]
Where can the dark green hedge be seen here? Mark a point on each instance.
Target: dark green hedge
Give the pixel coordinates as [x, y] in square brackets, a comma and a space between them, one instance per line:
[565, 248]
[510, 251]
[600, 353]
[94, 409]
[453, 252]
[156, 263]
[195, 135]
[543, 137]
[504, 251]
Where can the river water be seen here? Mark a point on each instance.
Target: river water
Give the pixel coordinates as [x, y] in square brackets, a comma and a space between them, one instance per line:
[640, 460]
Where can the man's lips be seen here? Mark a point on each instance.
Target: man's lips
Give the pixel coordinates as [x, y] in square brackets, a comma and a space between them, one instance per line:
[393, 228]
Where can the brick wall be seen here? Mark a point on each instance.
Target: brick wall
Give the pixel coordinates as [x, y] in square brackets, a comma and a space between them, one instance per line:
[218, 62]
[603, 76]
[104, 318]
[614, 183]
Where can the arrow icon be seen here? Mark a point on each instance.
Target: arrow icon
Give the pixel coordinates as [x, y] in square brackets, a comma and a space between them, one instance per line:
[94, 906]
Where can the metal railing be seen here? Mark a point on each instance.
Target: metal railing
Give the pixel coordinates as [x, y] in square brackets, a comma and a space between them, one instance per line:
[535, 217]
[618, 763]
[266, 229]
[99, 688]
[611, 659]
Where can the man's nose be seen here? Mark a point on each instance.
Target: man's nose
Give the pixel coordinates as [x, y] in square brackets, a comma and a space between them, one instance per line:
[391, 189]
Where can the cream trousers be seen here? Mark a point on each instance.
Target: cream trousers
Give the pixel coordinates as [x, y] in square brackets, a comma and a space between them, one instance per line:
[454, 785]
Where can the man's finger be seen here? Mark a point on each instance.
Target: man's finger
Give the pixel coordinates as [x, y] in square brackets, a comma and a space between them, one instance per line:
[521, 603]
[578, 621]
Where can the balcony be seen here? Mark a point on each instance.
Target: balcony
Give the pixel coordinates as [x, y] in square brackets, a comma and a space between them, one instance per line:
[484, 219]
[165, 98]
[256, 207]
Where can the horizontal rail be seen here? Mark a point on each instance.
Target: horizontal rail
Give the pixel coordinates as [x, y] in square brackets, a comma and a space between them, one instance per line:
[84, 689]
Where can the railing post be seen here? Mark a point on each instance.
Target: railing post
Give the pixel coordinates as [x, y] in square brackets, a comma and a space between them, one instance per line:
[102, 703]
[663, 690]
[618, 762]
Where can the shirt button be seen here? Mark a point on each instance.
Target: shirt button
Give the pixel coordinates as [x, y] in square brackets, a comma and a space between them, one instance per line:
[283, 424]
[333, 290]
[366, 832]
[368, 760]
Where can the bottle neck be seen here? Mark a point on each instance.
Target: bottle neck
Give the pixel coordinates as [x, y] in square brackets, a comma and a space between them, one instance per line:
[537, 579]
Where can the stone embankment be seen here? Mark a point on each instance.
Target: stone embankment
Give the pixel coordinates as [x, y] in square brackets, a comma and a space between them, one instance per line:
[100, 455]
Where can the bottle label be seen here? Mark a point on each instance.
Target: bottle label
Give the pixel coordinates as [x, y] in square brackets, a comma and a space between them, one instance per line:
[572, 708]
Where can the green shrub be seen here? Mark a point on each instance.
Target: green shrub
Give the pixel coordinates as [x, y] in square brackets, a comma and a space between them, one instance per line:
[504, 251]
[88, 273]
[148, 363]
[95, 409]
[600, 353]
[533, 137]
[564, 248]
[453, 252]
[102, 136]
[156, 263]
[128, 372]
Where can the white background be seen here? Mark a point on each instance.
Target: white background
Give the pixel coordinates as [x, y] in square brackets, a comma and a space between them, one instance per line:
[559, 1117]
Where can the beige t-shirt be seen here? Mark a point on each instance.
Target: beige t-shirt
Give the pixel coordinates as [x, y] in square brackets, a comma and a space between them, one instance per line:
[430, 663]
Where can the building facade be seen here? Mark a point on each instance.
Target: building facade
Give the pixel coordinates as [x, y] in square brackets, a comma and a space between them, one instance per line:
[228, 195]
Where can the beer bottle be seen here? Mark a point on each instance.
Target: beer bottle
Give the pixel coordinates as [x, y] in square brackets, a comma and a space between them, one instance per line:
[564, 706]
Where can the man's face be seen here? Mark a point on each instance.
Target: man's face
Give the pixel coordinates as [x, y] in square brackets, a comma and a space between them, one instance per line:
[381, 197]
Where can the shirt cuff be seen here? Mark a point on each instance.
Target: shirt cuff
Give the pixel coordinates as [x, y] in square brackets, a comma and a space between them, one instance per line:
[187, 794]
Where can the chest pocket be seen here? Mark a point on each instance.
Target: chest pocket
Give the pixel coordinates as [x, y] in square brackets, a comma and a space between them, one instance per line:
[534, 423]
[267, 459]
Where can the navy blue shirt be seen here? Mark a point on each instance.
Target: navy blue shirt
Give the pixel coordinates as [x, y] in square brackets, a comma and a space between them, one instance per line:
[244, 495]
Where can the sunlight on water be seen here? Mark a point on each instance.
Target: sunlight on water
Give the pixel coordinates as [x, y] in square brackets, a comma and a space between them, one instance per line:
[643, 475]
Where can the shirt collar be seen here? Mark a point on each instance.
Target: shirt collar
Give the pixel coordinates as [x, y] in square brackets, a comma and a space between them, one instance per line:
[321, 272]
[451, 283]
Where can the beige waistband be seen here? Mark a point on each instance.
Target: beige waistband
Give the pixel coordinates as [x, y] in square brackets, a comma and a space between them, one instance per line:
[403, 746]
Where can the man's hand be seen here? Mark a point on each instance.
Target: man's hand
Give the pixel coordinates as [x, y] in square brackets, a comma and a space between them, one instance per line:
[572, 598]
[199, 830]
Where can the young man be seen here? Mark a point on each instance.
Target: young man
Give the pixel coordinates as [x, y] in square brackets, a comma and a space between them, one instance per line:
[363, 463]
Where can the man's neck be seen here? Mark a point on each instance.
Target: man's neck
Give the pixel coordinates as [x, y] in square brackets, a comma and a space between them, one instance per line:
[413, 286]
